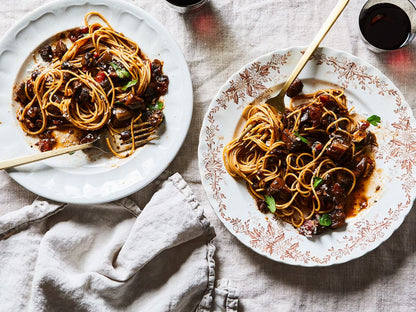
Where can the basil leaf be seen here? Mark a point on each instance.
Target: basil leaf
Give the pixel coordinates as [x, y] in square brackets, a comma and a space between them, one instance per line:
[121, 71]
[157, 106]
[317, 181]
[325, 220]
[374, 120]
[271, 204]
[129, 84]
[304, 140]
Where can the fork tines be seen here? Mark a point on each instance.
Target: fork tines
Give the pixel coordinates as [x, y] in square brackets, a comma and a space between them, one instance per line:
[142, 134]
[139, 134]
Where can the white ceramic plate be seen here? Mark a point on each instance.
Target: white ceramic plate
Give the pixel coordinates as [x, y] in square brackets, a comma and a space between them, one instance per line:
[370, 92]
[74, 178]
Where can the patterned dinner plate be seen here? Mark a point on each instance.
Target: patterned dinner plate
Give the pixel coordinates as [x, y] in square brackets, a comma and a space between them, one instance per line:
[392, 189]
[79, 178]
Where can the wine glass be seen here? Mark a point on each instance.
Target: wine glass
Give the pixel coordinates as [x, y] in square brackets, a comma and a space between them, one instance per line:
[184, 6]
[387, 25]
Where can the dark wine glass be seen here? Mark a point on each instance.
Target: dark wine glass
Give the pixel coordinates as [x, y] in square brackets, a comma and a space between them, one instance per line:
[184, 6]
[387, 25]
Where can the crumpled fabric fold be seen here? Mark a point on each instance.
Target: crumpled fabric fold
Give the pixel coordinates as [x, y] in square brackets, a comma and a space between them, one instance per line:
[112, 257]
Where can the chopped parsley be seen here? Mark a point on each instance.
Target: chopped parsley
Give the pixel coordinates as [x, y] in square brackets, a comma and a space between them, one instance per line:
[121, 71]
[304, 140]
[374, 120]
[325, 220]
[317, 181]
[129, 84]
[271, 204]
[157, 106]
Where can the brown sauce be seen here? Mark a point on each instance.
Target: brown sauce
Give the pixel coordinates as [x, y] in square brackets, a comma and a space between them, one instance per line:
[360, 198]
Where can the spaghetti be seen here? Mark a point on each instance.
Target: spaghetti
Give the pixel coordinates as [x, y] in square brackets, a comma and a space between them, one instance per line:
[102, 81]
[302, 165]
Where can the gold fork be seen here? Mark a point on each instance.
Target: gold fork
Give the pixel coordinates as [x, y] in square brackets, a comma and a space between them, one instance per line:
[142, 134]
[278, 100]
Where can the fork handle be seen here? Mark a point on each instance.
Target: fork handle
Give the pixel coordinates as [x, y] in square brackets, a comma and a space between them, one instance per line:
[326, 26]
[40, 156]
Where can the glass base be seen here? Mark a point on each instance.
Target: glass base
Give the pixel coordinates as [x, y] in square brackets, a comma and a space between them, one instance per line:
[188, 8]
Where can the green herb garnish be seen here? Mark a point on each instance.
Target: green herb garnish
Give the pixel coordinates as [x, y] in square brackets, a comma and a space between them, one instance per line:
[317, 181]
[157, 106]
[271, 204]
[304, 140]
[129, 84]
[325, 220]
[121, 71]
[374, 120]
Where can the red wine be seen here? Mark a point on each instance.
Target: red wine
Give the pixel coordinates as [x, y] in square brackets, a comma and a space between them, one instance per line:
[184, 3]
[385, 26]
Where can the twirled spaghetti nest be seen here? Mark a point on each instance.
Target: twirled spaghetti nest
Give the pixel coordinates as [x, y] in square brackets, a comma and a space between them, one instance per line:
[101, 81]
[302, 165]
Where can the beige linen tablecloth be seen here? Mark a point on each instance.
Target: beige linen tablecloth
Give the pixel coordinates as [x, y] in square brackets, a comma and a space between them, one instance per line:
[217, 42]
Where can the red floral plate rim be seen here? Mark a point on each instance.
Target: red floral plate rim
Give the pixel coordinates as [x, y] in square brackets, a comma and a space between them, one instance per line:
[369, 92]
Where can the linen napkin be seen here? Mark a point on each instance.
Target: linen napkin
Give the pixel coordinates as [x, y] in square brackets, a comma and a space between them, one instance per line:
[112, 257]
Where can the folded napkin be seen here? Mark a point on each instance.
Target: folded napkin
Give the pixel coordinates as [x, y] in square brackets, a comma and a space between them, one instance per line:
[112, 257]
